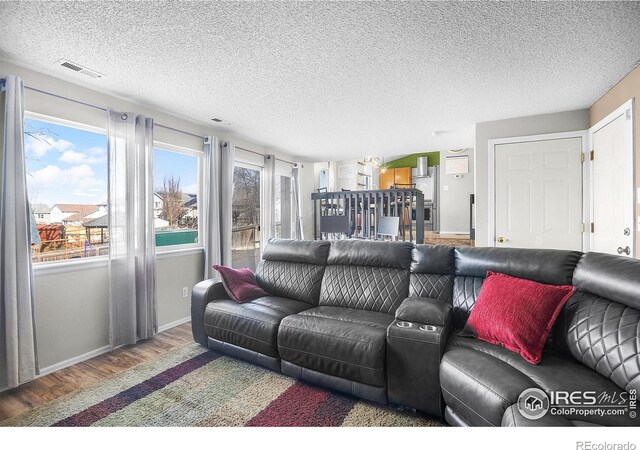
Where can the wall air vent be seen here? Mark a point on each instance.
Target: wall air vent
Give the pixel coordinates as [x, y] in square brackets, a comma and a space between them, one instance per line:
[78, 68]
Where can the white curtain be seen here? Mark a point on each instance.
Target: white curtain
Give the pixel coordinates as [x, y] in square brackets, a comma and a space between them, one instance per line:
[132, 290]
[217, 222]
[269, 200]
[297, 203]
[18, 354]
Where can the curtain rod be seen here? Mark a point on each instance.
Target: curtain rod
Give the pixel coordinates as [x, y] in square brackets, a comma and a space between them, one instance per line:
[262, 154]
[155, 124]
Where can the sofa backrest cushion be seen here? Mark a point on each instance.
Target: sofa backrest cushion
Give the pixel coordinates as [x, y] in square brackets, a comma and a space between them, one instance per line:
[610, 276]
[544, 266]
[603, 335]
[432, 272]
[367, 275]
[293, 269]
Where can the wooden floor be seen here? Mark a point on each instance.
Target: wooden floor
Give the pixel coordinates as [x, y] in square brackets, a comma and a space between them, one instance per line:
[50, 387]
[456, 240]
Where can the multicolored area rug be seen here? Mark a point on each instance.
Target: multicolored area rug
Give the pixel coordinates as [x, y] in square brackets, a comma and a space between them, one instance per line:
[192, 386]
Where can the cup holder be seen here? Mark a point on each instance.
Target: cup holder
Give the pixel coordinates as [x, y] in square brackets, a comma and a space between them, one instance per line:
[404, 324]
[428, 328]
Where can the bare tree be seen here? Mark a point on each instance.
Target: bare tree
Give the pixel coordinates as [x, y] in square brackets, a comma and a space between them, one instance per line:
[172, 205]
[246, 197]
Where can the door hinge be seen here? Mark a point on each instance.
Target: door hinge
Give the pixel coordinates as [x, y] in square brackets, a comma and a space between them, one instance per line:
[583, 227]
[593, 227]
[628, 114]
[592, 155]
[582, 157]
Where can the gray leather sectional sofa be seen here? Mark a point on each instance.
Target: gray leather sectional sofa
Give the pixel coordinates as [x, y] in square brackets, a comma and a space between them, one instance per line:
[379, 320]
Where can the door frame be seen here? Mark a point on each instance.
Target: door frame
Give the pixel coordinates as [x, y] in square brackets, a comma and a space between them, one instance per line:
[621, 110]
[491, 172]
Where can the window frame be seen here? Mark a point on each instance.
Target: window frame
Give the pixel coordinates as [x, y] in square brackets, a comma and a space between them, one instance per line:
[260, 168]
[68, 265]
[199, 155]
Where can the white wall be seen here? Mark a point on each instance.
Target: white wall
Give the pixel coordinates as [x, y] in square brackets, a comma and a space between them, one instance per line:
[71, 307]
[521, 126]
[454, 202]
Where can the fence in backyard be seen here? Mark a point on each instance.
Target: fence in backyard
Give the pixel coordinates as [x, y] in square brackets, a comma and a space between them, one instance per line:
[245, 237]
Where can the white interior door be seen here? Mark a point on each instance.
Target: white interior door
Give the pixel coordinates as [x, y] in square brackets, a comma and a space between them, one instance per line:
[612, 186]
[538, 194]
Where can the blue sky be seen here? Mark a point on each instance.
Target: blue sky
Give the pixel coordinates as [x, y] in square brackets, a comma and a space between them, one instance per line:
[185, 167]
[68, 165]
[65, 165]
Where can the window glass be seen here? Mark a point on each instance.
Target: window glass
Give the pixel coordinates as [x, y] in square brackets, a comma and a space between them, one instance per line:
[175, 199]
[246, 217]
[67, 186]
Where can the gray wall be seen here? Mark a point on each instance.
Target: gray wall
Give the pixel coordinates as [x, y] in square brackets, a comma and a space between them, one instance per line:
[521, 126]
[72, 308]
[454, 203]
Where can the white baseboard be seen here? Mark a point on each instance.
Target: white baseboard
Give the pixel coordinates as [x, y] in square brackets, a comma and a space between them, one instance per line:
[173, 324]
[75, 360]
[97, 352]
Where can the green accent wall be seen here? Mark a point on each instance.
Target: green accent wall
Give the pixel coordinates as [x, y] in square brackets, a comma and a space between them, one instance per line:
[412, 160]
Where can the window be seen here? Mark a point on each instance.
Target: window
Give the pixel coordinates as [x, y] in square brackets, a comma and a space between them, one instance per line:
[176, 183]
[67, 186]
[284, 220]
[245, 241]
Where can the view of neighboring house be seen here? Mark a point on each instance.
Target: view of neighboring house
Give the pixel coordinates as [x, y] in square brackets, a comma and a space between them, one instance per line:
[41, 212]
[74, 214]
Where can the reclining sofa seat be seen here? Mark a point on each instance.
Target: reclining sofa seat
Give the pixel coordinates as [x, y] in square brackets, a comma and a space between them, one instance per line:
[291, 271]
[341, 344]
[332, 302]
[594, 344]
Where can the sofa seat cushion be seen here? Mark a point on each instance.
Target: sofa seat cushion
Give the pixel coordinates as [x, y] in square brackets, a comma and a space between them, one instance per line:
[556, 372]
[252, 325]
[343, 342]
[478, 386]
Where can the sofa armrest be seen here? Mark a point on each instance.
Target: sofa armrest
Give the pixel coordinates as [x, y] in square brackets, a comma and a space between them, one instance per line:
[424, 310]
[201, 295]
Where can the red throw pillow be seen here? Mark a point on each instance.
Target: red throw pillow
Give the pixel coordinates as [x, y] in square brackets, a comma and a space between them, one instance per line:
[240, 284]
[516, 313]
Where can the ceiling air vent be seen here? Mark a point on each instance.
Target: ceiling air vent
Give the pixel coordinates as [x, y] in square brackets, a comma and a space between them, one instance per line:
[78, 68]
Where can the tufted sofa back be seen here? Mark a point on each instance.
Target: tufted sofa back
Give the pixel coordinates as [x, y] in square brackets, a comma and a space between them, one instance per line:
[600, 324]
[432, 272]
[293, 269]
[367, 275]
[544, 266]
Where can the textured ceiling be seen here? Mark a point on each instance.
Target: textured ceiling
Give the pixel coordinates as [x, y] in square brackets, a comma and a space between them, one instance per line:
[334, 80]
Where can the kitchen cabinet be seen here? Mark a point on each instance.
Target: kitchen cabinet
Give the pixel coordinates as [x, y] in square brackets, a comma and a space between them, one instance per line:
[401, 175]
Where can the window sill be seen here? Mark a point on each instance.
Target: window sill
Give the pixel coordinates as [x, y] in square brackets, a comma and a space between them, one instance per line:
[170, 253]
[53, 268]
[98, 262]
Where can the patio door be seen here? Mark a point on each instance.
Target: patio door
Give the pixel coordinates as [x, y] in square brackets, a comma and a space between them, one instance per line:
[245, 240]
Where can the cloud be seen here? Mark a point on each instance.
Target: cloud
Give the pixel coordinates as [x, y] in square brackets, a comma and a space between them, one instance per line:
[52, 177]
[73, 157]
[39, 144]
[83, 194]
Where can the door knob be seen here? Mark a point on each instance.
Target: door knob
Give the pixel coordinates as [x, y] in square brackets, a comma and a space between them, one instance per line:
[626, 250]
[501, 239]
